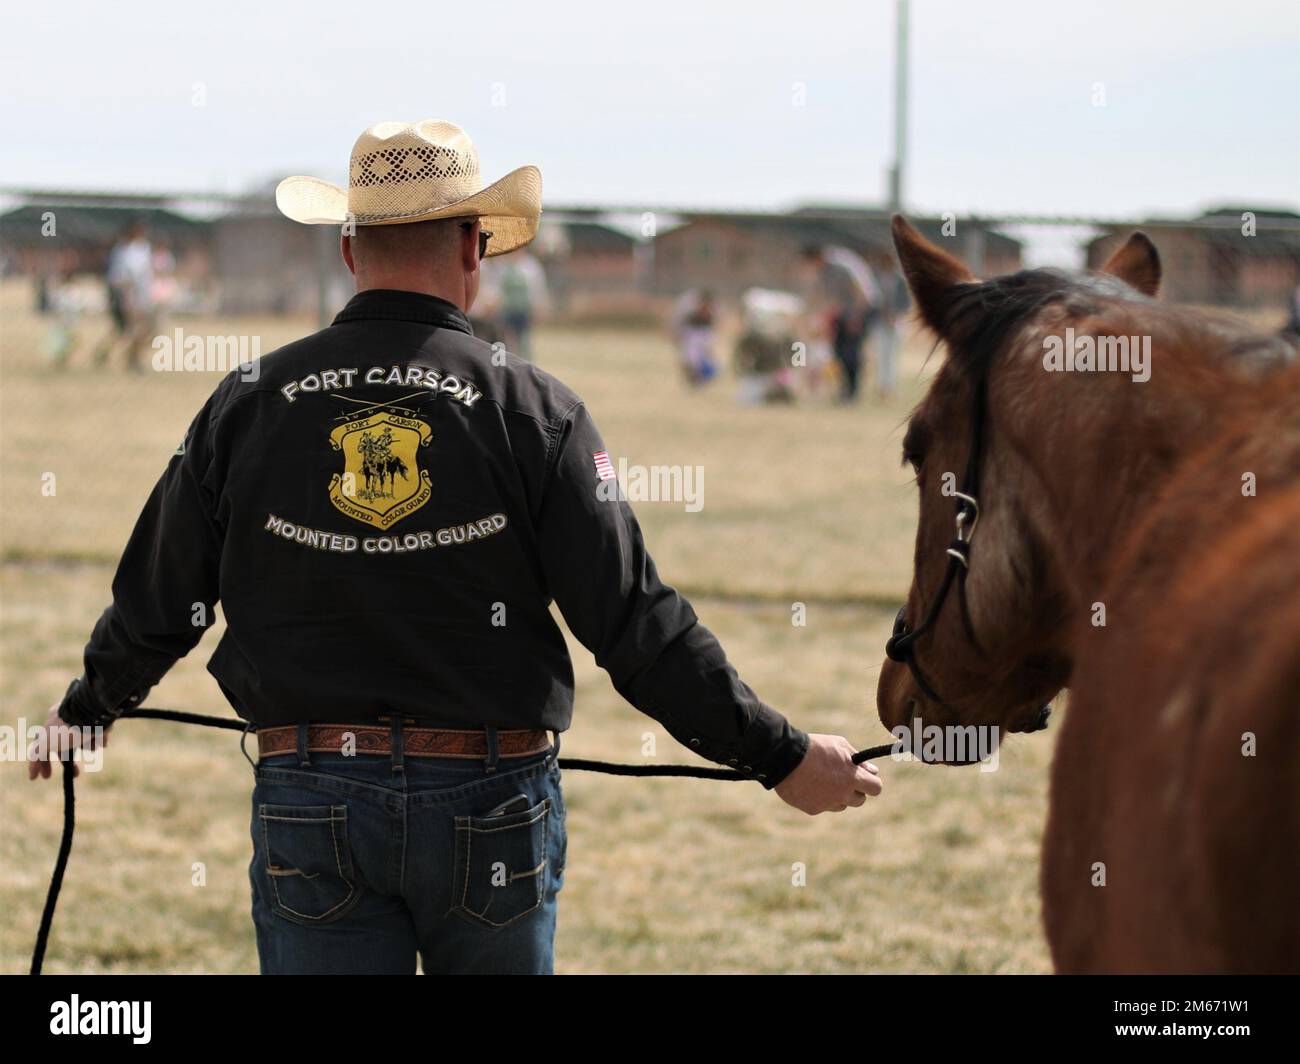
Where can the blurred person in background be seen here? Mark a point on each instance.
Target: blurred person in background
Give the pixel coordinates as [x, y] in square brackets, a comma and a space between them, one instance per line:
[58, 301]
[764, 353]
[485, 316]
[1291, 330]
[695, 330]
[521, 284]
[130, 281]
[842, 303]
[115, 302]
[164, 287]
[64, 304]
[893, 304]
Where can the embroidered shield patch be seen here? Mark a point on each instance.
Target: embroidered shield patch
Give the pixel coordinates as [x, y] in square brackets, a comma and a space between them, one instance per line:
[381, 480]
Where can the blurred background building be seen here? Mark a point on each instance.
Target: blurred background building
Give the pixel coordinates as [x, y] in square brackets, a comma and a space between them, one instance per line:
[238, 255]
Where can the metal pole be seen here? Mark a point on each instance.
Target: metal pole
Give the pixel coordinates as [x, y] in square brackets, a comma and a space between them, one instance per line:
[897, 171]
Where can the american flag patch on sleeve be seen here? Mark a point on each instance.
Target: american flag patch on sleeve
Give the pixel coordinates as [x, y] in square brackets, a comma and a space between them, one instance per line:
[604, 467]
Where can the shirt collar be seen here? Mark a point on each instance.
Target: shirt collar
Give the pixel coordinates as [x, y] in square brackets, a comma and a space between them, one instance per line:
[390, 304]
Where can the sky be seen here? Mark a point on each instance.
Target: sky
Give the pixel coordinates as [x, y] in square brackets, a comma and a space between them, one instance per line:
[1104, 108]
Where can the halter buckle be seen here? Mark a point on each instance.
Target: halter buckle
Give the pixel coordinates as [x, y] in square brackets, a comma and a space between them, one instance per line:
[969, 505]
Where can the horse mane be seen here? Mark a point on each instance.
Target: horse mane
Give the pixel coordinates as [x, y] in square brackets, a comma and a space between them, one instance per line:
[978, 319]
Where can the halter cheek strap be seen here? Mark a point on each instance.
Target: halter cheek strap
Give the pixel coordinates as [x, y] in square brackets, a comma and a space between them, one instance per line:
[902, 644]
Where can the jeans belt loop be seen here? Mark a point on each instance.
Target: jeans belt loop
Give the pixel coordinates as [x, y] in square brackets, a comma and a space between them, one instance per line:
[304, 759]
[493, 750]
[399, 746]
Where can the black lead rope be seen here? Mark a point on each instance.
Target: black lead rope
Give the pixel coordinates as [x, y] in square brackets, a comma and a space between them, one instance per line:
[60, 865]
[573, 764]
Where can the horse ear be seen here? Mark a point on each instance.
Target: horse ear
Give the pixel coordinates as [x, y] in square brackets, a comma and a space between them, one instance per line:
[1137, 263]
[931, 273]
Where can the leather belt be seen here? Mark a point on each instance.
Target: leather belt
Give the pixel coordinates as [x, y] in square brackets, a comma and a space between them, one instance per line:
[416, 742]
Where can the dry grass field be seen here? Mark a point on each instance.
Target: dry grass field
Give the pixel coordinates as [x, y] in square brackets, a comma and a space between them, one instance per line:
[802, 504]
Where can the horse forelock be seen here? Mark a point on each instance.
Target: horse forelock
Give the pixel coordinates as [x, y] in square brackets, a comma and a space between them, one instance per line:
[982, 320]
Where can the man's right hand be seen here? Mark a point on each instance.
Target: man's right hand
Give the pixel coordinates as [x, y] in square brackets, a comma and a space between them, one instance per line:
[58, 741]
[827, 780]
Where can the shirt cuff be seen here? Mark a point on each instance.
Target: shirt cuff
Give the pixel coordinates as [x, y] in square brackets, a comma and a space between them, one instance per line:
[774, 747]
[81, 708]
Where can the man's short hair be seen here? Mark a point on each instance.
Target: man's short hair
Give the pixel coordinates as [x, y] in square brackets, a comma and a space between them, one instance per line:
[405, 241]
[812, 252]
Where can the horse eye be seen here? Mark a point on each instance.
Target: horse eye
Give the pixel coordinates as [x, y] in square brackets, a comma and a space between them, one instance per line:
[914, 445]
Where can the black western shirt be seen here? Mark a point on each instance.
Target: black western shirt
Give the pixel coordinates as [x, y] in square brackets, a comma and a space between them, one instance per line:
[385, 511]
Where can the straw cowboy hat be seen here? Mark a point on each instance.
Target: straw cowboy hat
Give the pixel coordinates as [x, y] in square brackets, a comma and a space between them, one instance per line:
[416, 173]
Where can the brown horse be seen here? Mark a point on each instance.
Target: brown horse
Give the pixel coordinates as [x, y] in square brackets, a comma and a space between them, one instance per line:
[1137, 539]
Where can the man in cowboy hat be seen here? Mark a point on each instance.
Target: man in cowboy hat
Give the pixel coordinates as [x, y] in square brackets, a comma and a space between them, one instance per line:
[385, 510]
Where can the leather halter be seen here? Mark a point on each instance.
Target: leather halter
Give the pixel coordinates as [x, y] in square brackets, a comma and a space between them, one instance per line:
[901, 646]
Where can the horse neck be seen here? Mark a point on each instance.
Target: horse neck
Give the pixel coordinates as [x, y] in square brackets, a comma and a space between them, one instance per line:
[1106, 450]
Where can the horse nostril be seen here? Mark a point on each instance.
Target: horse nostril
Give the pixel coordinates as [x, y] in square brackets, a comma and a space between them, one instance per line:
[1038, 721]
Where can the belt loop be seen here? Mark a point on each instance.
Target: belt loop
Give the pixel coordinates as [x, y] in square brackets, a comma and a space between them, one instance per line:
[304, 760]
[398, 745]
[493, 750]
[555, 747]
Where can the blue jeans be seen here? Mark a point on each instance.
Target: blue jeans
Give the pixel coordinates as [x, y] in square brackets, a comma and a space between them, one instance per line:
[359, 864]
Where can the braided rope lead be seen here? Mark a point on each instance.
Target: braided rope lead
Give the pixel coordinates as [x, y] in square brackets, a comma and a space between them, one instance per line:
[573, 764]
[60, 865]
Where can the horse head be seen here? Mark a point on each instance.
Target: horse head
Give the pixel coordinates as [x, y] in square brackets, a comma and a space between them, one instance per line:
[984, 636]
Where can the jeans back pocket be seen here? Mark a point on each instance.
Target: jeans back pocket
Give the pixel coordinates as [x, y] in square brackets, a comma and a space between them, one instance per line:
[500, 866]
[308, 862]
